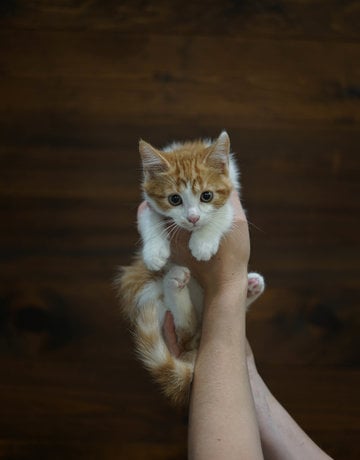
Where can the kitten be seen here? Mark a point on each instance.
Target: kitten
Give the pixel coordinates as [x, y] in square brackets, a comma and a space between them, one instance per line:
[186, 185]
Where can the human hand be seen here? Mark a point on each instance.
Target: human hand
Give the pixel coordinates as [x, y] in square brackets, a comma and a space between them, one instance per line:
[229, 265]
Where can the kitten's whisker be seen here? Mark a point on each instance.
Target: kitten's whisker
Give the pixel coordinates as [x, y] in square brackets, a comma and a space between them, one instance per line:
[236, 225]
[174, 232]
[164, 232]
[171, 229]
[256, 227]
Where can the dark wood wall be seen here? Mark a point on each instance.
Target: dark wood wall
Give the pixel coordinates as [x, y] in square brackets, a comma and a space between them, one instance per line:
[80, 82]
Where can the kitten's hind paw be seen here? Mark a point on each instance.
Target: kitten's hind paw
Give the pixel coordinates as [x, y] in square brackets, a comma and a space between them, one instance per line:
[256, 286]
[177, 277]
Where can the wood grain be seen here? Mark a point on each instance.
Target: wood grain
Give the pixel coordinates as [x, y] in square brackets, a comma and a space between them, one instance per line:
[80, 83]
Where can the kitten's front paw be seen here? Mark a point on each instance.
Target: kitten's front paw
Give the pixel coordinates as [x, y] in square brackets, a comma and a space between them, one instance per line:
[156, 255]
[203, 249]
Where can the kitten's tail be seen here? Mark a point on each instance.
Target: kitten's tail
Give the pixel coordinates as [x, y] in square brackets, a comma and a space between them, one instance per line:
[173, 374]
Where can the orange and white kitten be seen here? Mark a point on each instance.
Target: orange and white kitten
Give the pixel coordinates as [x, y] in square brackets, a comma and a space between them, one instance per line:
[186, 185]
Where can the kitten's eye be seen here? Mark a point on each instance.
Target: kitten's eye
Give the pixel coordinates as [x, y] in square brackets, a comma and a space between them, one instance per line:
[206, 197]
[175, 199]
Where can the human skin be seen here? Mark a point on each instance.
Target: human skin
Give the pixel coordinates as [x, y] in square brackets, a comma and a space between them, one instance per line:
[232, 412]
[222, 418]
[281, 436]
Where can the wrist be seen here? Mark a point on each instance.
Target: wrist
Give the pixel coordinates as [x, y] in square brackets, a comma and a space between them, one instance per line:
[224, 317]
[265, 404]
[232, 289]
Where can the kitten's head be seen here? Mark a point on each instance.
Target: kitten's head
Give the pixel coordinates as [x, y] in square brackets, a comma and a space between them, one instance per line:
[187, 182]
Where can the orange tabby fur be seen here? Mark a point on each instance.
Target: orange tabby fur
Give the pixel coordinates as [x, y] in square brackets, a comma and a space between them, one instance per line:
[192, 168]
[174, 376]
[188, 164]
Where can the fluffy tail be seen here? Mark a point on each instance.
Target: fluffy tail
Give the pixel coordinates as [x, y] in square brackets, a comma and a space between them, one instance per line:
[173, 374]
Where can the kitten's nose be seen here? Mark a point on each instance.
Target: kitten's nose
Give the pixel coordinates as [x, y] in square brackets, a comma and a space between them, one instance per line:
[193, 219]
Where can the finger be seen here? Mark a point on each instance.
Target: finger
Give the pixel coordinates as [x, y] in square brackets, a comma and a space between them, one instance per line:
[170, 334]
[238, 209]
[141, 208]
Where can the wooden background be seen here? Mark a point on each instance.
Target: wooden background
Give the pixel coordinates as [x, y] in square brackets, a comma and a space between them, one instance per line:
[80, 82]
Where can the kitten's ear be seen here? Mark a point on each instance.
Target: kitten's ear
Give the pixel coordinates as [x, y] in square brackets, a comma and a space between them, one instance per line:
[219, 151]
[152, 159]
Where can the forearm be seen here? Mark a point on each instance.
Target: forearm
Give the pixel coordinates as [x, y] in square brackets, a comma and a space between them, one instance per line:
[222, 414]
[281, 436]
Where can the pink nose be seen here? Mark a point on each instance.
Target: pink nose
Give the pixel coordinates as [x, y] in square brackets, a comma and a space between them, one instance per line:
[193, 219]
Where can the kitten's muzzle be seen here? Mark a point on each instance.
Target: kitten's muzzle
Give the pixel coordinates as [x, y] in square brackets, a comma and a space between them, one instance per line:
[193, 219]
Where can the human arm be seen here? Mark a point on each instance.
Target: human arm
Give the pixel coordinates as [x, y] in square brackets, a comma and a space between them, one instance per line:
[222, 419]
[281, 436]
[222, 412]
